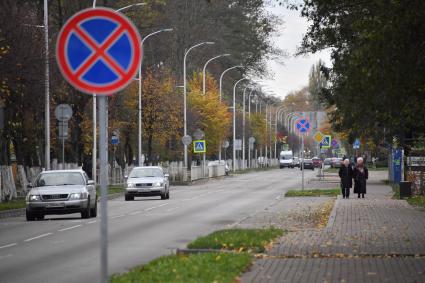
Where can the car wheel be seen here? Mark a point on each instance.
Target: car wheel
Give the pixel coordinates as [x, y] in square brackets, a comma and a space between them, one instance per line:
[164, 196]
[29, 216]
[40, 217]
[93, 212]
[127, 198]
[86, 212]
[168, 195]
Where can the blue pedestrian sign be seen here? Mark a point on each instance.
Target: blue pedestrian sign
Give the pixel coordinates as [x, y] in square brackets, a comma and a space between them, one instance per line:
[115, 140]
[356, 144]
[327, 141]
[303, 125]
[199, 146]
[98, 51]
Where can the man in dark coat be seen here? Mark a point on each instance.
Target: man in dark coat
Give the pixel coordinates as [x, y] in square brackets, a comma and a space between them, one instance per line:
[346, 175]
[361, 174]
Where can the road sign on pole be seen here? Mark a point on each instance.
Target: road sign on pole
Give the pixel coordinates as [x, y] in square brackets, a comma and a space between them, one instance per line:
[318, 137]
[303, 125]
[199, 146]
[98, 51]
[327, 141]
[356, 144]
[186, 140]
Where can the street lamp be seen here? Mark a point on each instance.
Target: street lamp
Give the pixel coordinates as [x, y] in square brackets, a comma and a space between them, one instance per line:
[46, 85]
[205, 69]
[185, 93]
[234, 122]
[221, 77]
[140, 95]
[243, 126]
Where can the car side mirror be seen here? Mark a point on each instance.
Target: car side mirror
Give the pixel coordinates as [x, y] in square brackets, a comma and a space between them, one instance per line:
[90, 182]
[167, 175]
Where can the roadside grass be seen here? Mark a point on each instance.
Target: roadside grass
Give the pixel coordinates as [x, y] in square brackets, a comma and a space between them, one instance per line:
[112, 190]
[253, 240]
[12, 204]
[313, 193]
[331, 170]
[202, 267]
[418, 201]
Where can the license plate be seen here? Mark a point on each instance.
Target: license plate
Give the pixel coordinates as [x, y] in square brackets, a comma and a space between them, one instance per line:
[52, 205]
[143, 190]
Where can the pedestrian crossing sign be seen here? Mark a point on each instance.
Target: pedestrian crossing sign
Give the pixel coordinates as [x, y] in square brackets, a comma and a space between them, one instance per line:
[199, 146]
[327, 141]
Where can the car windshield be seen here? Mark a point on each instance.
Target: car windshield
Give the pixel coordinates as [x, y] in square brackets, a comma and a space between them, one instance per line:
[60, 179]
[285, 157]
[146, 172]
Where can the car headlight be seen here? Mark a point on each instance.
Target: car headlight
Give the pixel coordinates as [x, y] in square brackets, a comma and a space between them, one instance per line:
[33, 198]
[75, 196]
[158, 184]
[131, 185]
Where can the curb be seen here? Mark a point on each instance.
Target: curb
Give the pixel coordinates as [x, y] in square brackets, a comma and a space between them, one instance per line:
[332, 217]
[200, 251]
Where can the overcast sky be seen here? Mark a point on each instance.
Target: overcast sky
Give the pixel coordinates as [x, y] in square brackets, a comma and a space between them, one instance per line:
[293, 73]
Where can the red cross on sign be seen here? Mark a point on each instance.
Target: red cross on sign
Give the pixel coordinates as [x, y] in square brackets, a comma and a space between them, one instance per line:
[98, 51]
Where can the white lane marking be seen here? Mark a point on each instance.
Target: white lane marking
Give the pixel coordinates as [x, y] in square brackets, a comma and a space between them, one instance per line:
[37, 237]
[8, 246]
[174, 208]
[91, 222]
[117, 216]
[164, 204]
[150, 208]
[135, 212]
[69, 228]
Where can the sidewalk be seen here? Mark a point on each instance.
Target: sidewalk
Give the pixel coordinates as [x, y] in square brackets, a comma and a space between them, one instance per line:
[376, 239]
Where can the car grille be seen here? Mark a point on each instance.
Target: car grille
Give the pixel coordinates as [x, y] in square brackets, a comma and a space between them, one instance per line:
[55, 197]
[144, 185]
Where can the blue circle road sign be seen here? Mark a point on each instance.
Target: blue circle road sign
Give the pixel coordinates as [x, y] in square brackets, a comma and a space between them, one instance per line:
[98, 51]
[303, 125]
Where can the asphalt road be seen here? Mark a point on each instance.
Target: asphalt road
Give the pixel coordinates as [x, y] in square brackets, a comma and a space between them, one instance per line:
[66, 248]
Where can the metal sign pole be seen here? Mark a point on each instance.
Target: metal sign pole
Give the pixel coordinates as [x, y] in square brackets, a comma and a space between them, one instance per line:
[302, 161]
[103, 155]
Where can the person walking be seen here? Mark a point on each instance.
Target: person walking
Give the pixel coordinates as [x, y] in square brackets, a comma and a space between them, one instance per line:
[361, 174]
[346, 175]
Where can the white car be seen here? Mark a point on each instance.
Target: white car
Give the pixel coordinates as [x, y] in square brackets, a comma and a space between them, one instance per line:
[147, 182]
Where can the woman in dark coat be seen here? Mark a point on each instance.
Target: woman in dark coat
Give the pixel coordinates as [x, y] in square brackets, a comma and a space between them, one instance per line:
[346, 175]
[361, 174]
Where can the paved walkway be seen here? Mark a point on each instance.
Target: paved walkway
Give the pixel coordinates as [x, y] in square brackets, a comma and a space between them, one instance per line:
[376, 239]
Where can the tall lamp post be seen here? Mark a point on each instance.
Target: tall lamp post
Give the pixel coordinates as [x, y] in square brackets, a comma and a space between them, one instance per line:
[243, 126]
[140, 95]
[185, 93]
[234, 122]
[46, 86]
[204, 77]
[221, 78]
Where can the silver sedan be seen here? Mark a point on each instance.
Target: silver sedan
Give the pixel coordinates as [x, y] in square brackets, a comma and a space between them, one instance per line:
[147, 182]
[61, 192]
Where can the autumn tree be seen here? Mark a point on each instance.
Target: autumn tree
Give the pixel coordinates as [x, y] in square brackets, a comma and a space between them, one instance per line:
[213, 116]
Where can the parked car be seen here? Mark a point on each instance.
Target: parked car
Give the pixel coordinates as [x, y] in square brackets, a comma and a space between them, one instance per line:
[61, 192]
[327, 161]
[147, 182]
[336, 162]
[317, 162]
[308, 164]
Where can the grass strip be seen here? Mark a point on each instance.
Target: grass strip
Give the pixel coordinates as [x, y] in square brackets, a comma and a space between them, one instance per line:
[203, 267]
[313, 193]
[12, 204]
[254, 240]
[418, 201]
[111, 190]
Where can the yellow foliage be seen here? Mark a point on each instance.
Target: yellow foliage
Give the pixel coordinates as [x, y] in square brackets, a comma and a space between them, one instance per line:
[214, 117]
